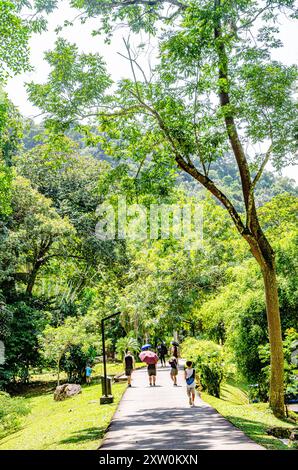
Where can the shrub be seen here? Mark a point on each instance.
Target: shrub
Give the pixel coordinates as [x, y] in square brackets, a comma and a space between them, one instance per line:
[74, 362]
[211, 375]
[208, 361]
[290, 344]
[128, 343]
[11, 411]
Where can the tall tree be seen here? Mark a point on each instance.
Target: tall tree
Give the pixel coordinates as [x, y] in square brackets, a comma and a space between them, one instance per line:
[215, 89]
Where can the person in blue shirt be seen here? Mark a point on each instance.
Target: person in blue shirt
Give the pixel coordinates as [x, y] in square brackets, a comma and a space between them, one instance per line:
[88, 371]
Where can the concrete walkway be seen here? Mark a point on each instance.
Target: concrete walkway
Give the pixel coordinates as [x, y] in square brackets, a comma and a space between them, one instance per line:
[160, 417]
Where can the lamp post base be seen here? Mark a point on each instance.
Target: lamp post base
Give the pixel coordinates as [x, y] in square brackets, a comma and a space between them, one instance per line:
[106, 400]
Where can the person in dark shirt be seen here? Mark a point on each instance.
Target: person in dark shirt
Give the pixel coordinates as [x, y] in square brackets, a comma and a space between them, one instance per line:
[174, 370]
[129, 364]
[162, 352]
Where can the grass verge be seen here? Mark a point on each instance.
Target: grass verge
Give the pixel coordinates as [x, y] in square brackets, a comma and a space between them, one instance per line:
[252, 419]
[78, 423]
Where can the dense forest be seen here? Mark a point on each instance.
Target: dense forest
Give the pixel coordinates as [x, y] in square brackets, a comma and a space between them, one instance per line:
[58, 280]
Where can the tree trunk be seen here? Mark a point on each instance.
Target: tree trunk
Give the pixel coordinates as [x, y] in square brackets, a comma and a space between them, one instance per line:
[275, 338]
[264, 254]
[32, 279]
[58, 373]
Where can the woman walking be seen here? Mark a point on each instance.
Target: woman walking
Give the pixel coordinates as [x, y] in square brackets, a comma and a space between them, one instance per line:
[151, 359]
[174, 370]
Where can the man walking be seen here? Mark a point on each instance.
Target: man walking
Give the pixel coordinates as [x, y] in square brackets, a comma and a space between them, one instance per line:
[129, 364]
[162, 352]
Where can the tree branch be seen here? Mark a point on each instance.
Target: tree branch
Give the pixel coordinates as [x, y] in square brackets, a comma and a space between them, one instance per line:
[225, 104]
[261, 169]
[189, 168]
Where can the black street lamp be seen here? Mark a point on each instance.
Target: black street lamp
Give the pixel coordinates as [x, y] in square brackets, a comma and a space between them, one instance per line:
[106, 397]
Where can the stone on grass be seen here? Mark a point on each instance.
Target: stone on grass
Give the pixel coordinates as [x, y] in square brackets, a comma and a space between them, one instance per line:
[66, 391]
[279, 432]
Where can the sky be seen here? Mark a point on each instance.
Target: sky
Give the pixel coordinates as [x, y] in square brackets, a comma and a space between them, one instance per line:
[117, 66]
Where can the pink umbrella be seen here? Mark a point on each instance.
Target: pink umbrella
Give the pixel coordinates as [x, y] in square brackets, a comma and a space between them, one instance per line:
[149, 357]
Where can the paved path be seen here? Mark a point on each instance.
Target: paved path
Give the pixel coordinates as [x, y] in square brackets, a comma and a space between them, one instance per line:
[150, 418]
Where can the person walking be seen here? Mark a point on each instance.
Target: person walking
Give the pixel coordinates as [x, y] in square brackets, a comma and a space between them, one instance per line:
[175, 350]
[88, 372]
[162, 352]
[174, 370]
[190, 378]
[151, 369]
[129, 364]
[151, 359]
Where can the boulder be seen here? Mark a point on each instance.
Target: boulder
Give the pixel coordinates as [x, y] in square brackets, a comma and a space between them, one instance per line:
[293, 443]
[279, 432]
[66, 391]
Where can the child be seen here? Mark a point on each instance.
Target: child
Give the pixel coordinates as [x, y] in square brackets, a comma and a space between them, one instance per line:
[174, 369]
[88, 374]
[190, 377]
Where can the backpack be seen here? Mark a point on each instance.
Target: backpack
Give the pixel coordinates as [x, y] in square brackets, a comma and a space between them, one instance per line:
[191, 379]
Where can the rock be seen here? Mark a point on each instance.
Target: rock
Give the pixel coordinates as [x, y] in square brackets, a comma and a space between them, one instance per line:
[293, 442]
[294, 435]
[66, 391]
[72, 389]
[280, 432]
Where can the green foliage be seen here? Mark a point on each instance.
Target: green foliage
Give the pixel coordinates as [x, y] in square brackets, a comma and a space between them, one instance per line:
[10, 134]
[74, 362]
[128, 343]
[290, 344]
[211, 375]
[208, 361]
[63, 340]
[11, 411]
[5, 189]
[25, 323]
[33, 235]
[52, 264]
[235, 314]
[80, 79]
[14, 33]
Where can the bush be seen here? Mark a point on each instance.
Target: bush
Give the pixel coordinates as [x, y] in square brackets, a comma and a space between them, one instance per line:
[290, 344]
[208, 362]
[128, 343]
[21, 342]
[74, 363]
[192, 348]
[211, 375]
[11, 411]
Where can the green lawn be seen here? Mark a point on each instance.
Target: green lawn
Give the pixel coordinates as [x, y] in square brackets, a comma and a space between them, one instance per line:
[76, 423]
[252, 419]
[112, 369]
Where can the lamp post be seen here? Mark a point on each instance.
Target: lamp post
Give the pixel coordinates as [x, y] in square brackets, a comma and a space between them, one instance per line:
[105, 398]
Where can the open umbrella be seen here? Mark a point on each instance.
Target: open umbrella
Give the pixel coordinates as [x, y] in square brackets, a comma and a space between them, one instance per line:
[146, 346]
[149, 357]
[174, 343]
